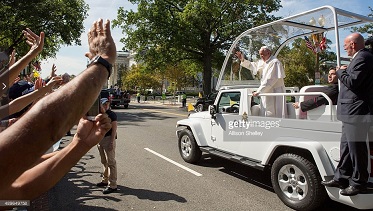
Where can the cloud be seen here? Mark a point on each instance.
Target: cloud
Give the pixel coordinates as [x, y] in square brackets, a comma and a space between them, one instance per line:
[64, 64]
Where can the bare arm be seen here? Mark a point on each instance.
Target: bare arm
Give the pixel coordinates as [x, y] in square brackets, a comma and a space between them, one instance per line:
[49, 119]
[21, 102]
[45, 175]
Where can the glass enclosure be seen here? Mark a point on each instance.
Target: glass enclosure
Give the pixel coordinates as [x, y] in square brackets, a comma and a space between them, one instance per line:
[321, 23]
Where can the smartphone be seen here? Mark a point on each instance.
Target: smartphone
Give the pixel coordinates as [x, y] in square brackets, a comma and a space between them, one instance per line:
[94, 110]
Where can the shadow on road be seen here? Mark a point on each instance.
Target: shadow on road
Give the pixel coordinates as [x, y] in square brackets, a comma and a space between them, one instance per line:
[151, 195]
[74, 191]
[256, 177]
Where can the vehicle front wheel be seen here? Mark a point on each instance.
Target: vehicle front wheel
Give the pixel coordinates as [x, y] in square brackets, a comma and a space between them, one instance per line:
[297, 182]
[188, 148]
[199, 108]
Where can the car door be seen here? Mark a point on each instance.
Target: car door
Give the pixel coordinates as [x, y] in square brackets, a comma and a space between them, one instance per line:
[226, 131]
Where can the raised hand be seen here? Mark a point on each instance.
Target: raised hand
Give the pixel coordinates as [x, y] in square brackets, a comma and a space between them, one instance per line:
[38, 83]
[53, 71]
[100, 41]
[34, 41]
[54, 81]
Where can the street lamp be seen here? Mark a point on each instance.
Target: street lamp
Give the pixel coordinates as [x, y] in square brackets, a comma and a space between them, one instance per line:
[312, 21]
[321, 21]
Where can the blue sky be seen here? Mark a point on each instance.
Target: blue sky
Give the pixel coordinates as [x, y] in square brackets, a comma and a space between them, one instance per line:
[70, 59]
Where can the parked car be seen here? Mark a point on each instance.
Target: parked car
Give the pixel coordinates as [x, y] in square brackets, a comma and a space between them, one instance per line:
[123, 99]
[105, 93]
[203, 103]
[179, 93]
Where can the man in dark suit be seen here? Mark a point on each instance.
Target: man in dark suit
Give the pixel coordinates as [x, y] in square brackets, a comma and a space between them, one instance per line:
[354, 111]
[331, 91]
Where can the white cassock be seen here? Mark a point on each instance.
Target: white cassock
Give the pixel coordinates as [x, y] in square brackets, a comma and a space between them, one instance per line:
[272, 76]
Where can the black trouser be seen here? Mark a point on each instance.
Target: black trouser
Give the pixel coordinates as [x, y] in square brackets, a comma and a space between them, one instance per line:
[353, 164]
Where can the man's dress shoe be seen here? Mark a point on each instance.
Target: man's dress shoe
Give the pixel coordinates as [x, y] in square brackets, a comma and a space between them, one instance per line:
[352, 190]
[333, 183]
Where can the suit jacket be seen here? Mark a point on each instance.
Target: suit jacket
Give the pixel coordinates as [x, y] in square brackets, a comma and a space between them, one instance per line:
[356, 92]
[332, 92]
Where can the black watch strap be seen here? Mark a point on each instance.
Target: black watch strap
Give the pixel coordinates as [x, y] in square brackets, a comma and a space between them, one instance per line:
[98, 59]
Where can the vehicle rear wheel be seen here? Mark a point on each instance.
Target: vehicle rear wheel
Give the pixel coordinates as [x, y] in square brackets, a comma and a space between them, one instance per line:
[125, 106]
[297, 182]
[199, 108]
[188, 148]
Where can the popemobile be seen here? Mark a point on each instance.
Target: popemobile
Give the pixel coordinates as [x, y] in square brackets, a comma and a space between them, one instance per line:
[300, 149]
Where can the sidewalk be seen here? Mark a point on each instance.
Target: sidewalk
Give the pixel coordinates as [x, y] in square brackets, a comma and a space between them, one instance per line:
[167, 102]
[170, 102]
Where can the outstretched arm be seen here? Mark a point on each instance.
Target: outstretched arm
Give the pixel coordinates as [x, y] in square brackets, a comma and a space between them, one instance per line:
[21, 102]
[45, 175]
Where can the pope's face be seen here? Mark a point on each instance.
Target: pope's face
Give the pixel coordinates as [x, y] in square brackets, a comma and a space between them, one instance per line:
[264, 54]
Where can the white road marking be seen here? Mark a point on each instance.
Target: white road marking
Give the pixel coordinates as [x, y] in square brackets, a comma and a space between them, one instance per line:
[173, 162]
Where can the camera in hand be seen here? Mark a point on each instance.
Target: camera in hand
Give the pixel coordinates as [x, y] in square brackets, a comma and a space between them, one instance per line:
[94, 110]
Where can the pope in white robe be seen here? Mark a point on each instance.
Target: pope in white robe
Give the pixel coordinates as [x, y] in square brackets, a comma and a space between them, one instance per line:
[272, 74]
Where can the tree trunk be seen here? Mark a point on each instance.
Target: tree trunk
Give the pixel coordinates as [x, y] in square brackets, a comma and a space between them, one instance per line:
[207, 75]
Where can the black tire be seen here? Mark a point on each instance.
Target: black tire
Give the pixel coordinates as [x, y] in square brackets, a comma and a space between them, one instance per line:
[297, 182]
[188, 148]
[125, 106]
[199, 108]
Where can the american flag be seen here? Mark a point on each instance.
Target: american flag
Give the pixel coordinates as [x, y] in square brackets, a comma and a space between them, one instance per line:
[309, 44]
[323, 44]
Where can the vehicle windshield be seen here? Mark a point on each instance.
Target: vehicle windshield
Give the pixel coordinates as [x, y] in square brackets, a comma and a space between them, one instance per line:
[320, 21]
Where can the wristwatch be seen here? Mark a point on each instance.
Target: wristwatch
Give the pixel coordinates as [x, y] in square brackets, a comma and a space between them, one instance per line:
[98, 59]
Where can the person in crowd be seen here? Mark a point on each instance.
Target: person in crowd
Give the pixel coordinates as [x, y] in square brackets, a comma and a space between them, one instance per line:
[183, 100]
[354, 110]
[138, 96]
[331, 91]
[272, 74]
[49, 119]
[106, 148]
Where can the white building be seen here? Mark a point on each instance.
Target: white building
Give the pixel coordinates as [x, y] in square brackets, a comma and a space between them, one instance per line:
[124, 59]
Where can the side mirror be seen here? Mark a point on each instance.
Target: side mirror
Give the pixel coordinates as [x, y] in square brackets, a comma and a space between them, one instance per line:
[212, 109]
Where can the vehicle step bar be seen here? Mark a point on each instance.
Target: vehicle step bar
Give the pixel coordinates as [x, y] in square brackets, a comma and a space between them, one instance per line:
[233, 157]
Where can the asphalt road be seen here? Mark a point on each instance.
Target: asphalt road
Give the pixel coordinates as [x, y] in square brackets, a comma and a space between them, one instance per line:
[153, 176]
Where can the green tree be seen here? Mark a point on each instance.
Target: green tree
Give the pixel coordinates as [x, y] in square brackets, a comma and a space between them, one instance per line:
[140, 78]
[300, 63]
[367, 28]
[182, 74]
[168, 31]
[61, 20]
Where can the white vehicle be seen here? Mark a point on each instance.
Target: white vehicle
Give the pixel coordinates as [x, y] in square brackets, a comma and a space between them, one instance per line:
[300, 149]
